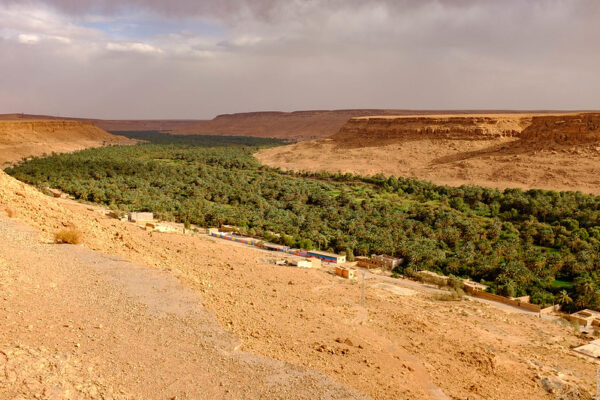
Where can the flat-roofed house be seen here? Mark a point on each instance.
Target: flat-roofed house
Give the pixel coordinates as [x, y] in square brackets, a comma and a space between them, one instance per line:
[141, 217]
[325, 256]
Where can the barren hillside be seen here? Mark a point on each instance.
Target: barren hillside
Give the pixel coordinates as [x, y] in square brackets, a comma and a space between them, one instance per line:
[297, 125]
[124, 332]
[559, 152]
[20, 139]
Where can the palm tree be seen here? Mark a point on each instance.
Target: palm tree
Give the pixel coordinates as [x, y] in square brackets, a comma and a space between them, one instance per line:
[563, 298]
[588, 287]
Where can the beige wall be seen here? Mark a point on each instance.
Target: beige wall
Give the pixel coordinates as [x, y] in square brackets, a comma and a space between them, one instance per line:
[503, 300]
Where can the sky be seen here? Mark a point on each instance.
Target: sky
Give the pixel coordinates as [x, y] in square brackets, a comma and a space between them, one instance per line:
[155, 59]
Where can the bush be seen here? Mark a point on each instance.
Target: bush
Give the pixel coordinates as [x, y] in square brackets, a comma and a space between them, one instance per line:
[455, 283]
[69, 235]
[349, 254]
[11, 212]
[452, 295]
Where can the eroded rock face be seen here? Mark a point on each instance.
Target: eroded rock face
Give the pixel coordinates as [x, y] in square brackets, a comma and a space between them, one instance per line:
[569, 129]
[444, 127]
[382, 130]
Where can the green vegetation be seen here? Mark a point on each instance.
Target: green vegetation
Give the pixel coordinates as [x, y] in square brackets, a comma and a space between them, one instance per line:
[156, 137]
[519, 242]
[562, 284]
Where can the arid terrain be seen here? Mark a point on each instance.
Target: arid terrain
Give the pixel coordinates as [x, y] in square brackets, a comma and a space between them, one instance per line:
[297, 125]
[24, 138]
[560, 152]
[140, 314]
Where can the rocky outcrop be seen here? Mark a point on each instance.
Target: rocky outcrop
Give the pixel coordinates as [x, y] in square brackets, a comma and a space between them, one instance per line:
[543, 129]
[297, 125]
[385, 129]
[567, 129]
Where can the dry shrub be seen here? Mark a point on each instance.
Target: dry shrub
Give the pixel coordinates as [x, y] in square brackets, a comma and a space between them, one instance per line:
[69, 235]
[11, 212]
[452, 295]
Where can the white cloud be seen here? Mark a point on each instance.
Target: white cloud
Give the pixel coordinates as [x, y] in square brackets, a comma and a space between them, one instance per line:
[28, 38]
[135, 47]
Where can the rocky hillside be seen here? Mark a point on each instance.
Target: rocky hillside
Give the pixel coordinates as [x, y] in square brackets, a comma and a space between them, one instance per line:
[560, 151]
[368, 131]
[565, 129]
[23, 138]
[297, 125]
[573, 128]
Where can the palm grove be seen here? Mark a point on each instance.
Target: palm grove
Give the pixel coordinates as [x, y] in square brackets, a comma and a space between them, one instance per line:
[536, 242]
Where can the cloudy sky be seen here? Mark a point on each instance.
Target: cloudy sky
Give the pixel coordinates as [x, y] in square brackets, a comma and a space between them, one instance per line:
[199, 58]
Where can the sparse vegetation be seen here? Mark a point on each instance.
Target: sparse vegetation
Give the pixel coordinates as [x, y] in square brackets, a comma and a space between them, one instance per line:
[11, 212]
[452, 295]
[68, 236]
[517, 242]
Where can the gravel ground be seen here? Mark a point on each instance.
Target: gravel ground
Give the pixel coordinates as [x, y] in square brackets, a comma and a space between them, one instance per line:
[79, 324]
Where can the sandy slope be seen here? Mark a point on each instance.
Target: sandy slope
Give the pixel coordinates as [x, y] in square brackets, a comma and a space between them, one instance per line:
[20, 139]
[399, 347]
[500, 151]
[78, 324]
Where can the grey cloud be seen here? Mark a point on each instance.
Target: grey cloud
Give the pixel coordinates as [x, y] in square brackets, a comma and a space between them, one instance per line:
[301, 54]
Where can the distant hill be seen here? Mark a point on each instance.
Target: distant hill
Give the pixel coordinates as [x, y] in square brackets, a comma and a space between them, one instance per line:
[560, 151]
[297, 125]
[22, 138]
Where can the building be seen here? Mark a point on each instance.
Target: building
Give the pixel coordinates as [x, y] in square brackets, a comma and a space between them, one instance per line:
[141, 217]
[274, 247]
[386, 262]
[586, 318]
[324, 256]
[345, 272]
[302, 263]
[365, 262]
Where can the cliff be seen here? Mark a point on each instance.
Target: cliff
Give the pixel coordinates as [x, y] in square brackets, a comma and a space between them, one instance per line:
[25, 138]
[378, 130]
[314, 124]
[546, 151]
[566, 129]
[544, 129]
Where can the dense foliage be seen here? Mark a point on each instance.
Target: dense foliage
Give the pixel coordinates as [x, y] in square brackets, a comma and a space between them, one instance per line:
[536, 242]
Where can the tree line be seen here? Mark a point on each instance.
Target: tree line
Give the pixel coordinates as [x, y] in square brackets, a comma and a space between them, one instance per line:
[537, 242]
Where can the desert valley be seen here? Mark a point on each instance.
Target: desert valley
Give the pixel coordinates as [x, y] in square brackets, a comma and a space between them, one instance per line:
[299, 200]
[222, 312]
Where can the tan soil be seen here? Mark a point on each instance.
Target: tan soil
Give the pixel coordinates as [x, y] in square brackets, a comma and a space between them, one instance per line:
[497, 150]
[20, 138]
[400, 347]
